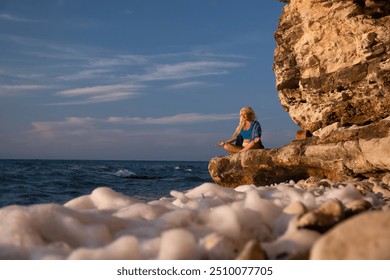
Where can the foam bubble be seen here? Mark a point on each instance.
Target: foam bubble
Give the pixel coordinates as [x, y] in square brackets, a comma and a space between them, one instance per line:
[179, 244]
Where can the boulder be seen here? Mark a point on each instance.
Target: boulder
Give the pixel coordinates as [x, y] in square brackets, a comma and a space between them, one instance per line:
[363, 237]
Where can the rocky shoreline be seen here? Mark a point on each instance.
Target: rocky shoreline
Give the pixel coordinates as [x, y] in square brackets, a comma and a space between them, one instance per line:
[352, 224]
[309, 219]
[332, 68]
[326, 195]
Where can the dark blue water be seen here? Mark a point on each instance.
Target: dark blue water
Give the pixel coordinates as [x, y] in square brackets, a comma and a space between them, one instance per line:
[26, 182]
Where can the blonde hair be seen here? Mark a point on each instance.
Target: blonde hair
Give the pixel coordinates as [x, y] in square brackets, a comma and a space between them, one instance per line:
[251, 116]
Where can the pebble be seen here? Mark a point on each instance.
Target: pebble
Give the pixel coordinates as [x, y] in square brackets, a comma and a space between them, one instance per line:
[324, 217]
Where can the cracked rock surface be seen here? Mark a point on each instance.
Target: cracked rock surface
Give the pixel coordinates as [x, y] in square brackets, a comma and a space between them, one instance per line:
[332, 62]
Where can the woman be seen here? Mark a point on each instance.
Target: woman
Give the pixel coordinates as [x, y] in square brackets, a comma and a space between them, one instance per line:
[247, 135]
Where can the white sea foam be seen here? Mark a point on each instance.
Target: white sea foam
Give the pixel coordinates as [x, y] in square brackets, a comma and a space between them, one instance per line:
[125, 173]
[207, 222]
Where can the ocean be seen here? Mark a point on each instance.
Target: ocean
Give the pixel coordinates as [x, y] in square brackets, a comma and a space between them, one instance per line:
[27, 182]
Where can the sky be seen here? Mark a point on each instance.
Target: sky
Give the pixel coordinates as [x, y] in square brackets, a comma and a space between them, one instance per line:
[135, 79]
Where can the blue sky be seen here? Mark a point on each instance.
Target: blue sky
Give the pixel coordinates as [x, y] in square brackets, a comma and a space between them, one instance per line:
[136, 79]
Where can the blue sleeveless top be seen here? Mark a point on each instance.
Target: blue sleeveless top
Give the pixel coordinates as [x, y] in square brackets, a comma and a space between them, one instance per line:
[255, 131]
[246, 134]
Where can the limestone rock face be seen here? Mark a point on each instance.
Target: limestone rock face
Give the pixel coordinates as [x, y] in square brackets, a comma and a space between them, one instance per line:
[332, 68]
[332, 61]
[336, 153]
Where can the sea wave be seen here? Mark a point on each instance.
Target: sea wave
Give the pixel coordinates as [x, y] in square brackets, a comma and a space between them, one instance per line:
[124, 173]
[48, 181]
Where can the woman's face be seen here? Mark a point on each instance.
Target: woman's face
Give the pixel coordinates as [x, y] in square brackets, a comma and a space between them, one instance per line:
[244, 115]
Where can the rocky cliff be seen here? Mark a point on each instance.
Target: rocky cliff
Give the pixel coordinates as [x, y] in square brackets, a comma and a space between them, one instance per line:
[332, 68]
[332, 61]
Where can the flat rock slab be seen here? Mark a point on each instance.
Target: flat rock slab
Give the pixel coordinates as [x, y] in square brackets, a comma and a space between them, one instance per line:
[336, 153]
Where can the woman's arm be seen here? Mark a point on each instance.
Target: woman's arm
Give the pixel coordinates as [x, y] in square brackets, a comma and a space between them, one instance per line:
[256, 131]
[231, 140]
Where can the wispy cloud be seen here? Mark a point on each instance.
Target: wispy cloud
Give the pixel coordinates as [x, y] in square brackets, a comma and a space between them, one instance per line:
[185, 70]
[87, 126]
[20, 89]
[191, 84]
[48, 128]
[41, 48]
[84, 74]
[113, 69]
[175, 119]
[86, 137]
[127, 12]
[98, 94]
[96, 90]
[51, 129]
[154, 70]
[110, 97]
[9, 17]
[218, 55]
[120, 60]
[90, 66]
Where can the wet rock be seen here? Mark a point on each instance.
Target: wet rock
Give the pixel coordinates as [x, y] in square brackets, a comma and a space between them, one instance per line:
[294, 244]
[252, 251]
[382, 189]
[296, 208]
[218, 247]
[324, 217]
[356, 207]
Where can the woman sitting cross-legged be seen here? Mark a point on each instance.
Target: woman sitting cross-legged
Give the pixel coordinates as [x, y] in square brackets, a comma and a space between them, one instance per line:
[247, 135]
